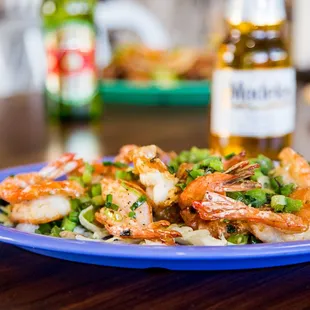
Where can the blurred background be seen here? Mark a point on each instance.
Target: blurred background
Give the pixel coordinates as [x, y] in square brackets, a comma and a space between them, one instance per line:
[156, 24]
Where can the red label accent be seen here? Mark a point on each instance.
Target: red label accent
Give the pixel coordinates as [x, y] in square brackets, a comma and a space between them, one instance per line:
[69, 62]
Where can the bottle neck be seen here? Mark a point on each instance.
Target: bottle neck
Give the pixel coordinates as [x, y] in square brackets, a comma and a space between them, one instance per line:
[260, 13]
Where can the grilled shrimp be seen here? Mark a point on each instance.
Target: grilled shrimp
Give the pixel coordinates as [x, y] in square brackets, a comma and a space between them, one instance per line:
[12, 186]
[230, 181]
[35, 199]
[271, 234]
[124, 155]
[160, 184]
[293, 168]
[44, 202]
[216, 206]
[131, 216]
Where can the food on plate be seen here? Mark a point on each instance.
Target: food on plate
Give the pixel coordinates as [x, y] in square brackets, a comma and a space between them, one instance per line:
[140, 63]
[152, 197]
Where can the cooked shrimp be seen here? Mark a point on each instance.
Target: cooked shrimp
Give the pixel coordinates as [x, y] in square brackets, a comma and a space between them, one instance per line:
[217, 228]
[133, 219]
[35, 199]
[43, 202]
[40, 211]
[216, 206]
[44, 188]
[271, 234]
[218, 182]
[154, 175]
[293, 168]
[234, 160]
[13, 184]
[124, 155]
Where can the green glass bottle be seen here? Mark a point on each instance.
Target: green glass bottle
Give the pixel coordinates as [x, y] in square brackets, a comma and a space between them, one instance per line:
[71, 88]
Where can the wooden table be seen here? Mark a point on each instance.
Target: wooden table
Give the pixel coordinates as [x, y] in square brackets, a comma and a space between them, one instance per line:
[30, 281]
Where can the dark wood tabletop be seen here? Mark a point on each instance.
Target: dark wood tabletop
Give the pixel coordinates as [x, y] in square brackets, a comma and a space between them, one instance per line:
[30, 281]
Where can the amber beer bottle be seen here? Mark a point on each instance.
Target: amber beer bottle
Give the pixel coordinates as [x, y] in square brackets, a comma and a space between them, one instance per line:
[71, 86]
[254, 86]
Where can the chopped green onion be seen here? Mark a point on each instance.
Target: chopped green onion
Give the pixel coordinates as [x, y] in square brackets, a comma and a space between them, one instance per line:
[257, 197]
[89, 215]
[98, 200]
[181, 185]
[138, 203]
[74, 203]
[264, 181]
[194, 155]
[74, 216]
[44, 229]
[265, 163]
[257, 175]
[132, 214]
[123, 175]
[278, 203]
[196, 173]
[87, 177]
[55, 231]
[172, 169]
[109, 198]
[293, 205]
[229, 156]
[96, 190]
[238, 239]
[107, 163]
[120, 165]
[67, 224]
[116, 164]
[216, 165]
[287, 189]
[108, 203]
[87, 174]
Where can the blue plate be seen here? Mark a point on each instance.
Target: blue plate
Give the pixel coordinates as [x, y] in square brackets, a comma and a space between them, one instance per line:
[174, 257]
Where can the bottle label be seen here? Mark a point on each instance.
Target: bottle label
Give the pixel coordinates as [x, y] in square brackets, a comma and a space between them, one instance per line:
[72, 74]
[253, 103]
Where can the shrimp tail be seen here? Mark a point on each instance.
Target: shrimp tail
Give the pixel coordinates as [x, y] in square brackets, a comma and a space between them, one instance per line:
[216, 207]
[234, 160]
[60, 167]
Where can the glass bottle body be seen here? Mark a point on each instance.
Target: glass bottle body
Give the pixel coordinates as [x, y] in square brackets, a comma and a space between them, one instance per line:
[71, 88]
[258, 56]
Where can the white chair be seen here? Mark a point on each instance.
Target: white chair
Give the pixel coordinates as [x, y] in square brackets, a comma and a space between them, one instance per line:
[22, 24]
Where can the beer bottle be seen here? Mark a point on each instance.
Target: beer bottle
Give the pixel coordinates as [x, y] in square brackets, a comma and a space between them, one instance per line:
[254, 86]
[71, 88]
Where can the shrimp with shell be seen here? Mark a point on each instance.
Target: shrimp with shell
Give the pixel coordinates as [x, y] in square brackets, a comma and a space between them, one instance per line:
[230, 181]
[36, 198]
[128, 213]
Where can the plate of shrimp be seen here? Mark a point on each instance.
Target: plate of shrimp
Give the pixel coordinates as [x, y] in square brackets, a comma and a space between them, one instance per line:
[145, 208]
